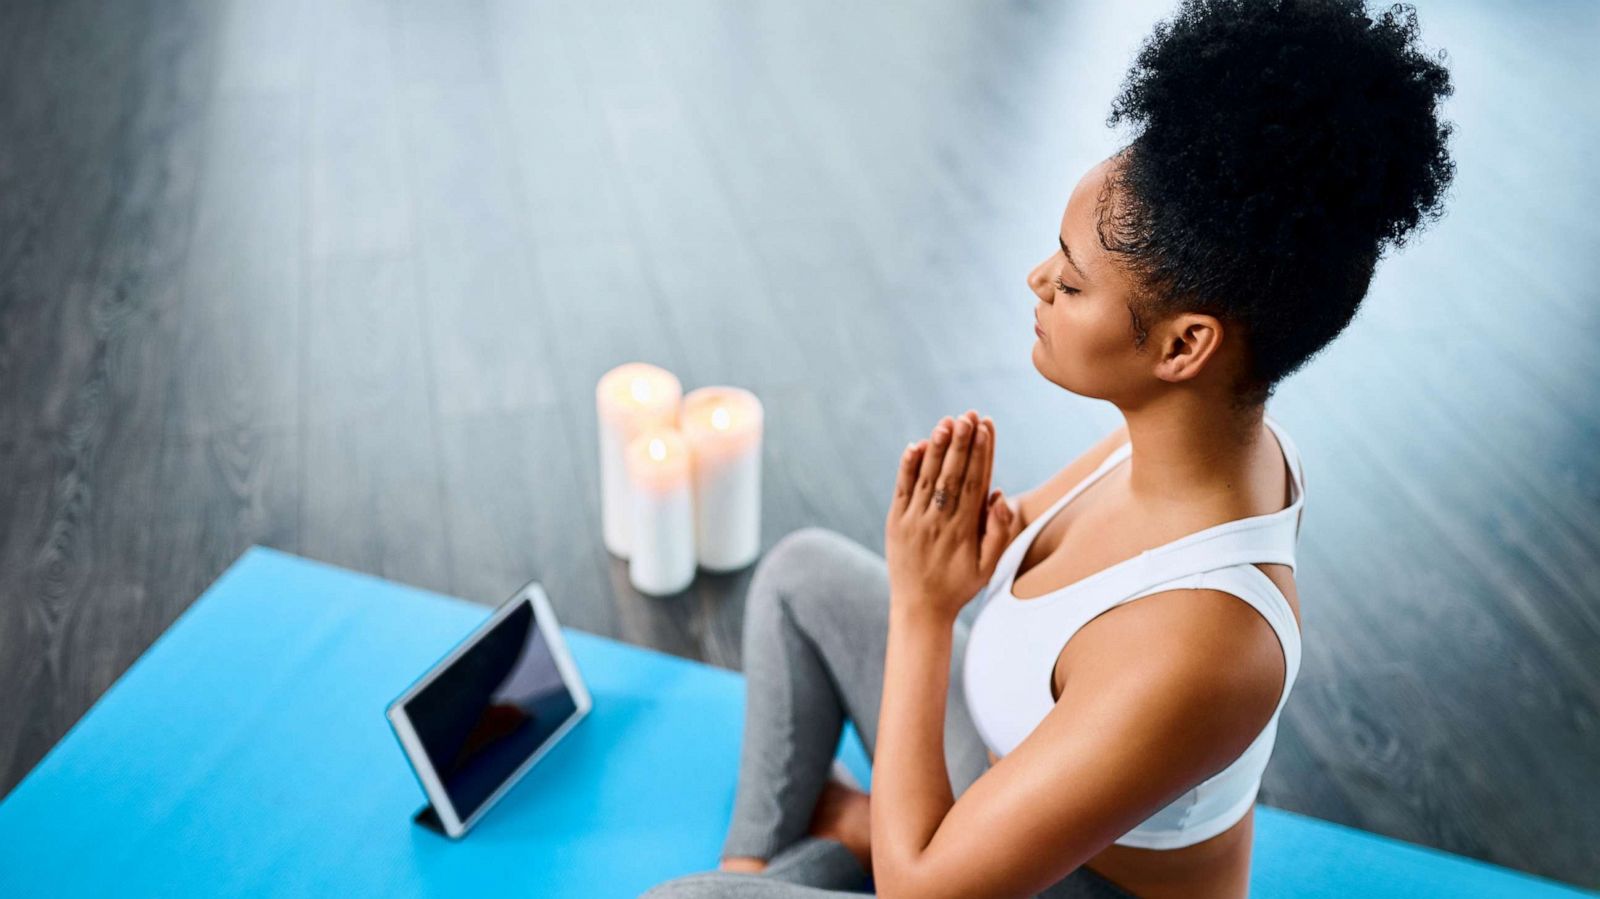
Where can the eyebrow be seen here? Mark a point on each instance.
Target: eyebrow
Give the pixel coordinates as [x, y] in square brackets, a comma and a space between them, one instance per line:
[1068, 253]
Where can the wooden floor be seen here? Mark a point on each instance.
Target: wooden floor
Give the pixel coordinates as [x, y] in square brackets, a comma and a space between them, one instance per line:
[339, 278]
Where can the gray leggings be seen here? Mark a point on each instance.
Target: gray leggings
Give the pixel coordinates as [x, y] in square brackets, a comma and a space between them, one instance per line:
[815, 629]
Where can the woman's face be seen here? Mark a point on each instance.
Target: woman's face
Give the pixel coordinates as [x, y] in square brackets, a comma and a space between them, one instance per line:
[1088, 344]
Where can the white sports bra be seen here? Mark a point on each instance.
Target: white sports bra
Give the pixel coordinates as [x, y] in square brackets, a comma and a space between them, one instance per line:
[1011, 653]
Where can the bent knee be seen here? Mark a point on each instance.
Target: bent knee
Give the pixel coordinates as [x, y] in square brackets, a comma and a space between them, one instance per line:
[816, 567]
[797, 557]
[810, 543]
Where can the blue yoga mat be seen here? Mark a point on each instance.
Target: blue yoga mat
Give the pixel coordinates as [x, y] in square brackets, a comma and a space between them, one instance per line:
[246, 753]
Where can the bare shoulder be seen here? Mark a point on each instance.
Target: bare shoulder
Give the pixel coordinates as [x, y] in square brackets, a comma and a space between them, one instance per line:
[1032, 503]
[1198, 662]
[1163, 692]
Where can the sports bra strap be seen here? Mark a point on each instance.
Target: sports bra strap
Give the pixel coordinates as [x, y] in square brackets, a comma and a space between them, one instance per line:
[1292, 453]
[1237, 542]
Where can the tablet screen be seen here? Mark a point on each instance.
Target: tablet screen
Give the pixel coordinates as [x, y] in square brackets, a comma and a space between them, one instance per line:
[482, 717]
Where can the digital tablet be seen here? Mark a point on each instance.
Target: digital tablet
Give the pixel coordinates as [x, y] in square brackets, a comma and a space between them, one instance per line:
[479, 719]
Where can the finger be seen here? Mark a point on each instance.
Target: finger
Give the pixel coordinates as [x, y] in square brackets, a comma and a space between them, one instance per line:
[906, 480]
[932, 459]
[973, 497]
[986, 520]
[973, 487]
[996, 534]
[953, 473]
[989, 455]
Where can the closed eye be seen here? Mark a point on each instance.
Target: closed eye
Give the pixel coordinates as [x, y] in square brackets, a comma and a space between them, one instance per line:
[1061, 285]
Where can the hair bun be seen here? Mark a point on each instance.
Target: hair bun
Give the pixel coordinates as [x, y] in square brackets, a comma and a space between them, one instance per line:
[1279, 146]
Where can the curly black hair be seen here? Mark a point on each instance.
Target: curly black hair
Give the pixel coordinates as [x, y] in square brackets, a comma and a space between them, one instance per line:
[1281, 146]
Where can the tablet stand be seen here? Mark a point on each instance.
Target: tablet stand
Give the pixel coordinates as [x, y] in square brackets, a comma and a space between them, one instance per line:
[429, 818]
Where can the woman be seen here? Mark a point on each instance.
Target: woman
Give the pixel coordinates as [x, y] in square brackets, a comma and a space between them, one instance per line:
[1073, 741]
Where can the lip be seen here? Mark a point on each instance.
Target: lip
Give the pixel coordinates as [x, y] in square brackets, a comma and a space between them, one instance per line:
[1036, 329]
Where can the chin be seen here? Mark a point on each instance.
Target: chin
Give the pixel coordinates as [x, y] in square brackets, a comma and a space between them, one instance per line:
[1043, 364]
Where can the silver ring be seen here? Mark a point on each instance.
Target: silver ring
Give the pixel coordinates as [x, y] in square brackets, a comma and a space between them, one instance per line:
[939, 497]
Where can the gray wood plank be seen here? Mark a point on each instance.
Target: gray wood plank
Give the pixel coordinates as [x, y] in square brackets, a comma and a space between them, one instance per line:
[373, 483]
[340, 278]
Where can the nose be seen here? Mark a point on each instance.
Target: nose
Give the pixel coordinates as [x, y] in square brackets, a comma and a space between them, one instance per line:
[1039, 279]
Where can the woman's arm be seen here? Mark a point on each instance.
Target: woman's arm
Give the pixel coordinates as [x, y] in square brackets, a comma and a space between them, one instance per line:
[1151, 710]
[910, 783]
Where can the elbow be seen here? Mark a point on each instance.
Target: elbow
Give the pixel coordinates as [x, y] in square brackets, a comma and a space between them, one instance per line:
[895, 887]
[912, 878]
[915, 878]
[896, 877]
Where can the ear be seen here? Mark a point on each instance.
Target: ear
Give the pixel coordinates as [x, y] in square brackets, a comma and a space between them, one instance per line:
[1188, 342]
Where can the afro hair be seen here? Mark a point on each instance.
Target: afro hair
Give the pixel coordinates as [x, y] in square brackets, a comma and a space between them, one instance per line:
[1279, 148]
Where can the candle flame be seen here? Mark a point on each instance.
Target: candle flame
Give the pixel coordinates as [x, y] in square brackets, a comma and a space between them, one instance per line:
[658, 449]
[640, 388]
[720, 419]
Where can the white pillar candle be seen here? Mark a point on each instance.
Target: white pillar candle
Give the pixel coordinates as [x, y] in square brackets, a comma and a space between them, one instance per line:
[723, 426]
[629, 399]
[662, 514]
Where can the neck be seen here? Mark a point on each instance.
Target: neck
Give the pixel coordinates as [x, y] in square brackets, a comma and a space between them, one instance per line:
[1188, 448]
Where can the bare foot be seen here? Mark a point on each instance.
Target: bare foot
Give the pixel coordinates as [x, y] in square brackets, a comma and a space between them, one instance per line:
[844, 813]
[743, 864]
